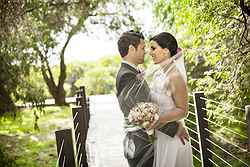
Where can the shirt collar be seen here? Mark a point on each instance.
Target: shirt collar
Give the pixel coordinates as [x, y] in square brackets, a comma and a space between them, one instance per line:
[130, 64]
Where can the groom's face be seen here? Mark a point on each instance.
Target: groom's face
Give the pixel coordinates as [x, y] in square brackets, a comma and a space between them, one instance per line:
[140, 52]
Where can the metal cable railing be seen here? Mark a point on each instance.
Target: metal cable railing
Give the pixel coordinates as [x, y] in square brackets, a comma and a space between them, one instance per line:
[196, 149]
[219, 158]
[213, 163]
[192, 130]
[231, 119]
[222, 104]
[197, 158]
[192, 122]
[227, 152]
[64, 160]
[229, 142]
[192, 113]
[191, 104]
[232, 131]
[205, 142]
[75, 117]
[192, 139]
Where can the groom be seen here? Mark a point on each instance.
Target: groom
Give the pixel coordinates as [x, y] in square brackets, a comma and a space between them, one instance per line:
[131, 90]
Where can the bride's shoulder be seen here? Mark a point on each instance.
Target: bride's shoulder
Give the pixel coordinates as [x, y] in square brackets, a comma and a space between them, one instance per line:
[175, 75]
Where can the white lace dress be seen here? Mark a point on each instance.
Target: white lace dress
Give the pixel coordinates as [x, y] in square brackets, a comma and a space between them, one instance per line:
[169, 152]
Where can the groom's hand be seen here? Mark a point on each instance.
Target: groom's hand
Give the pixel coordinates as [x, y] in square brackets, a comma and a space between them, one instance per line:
[182, 133]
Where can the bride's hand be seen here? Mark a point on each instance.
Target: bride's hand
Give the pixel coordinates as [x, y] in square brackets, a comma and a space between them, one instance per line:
[182, 133]
[155, 123]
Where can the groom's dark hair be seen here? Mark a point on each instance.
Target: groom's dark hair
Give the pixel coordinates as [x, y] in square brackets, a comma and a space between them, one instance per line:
[166, 40]
[129, 38]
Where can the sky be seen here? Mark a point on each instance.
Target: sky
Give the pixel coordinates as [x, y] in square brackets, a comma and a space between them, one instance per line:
[85, 47]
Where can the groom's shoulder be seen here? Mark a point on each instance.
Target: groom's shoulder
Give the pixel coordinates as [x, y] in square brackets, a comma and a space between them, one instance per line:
[124, 70]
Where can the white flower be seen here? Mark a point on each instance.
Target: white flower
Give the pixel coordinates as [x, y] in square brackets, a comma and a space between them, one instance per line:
[144, 114]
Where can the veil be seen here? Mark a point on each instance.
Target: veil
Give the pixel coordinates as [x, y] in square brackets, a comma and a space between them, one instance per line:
[180, 64]
[177, 60]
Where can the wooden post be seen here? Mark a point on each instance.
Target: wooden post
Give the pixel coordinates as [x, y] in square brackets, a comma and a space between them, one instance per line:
[202, 125]
[81, 97]
[247, 109]
[65, 148]
[80, 101]
[83, 92]
[80, 126]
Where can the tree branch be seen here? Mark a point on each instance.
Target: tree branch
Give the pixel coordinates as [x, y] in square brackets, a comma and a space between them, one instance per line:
[73, 31]
[244, 8]
[46, 68]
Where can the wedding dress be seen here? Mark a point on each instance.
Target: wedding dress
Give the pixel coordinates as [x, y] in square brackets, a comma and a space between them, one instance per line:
[169, 151]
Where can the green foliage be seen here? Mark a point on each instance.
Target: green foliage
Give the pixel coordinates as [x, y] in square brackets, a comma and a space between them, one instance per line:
[5, 159]
[31, 91]
[217, 54]
[36, 32]
[100, 77]
[15, 64]
[97, 76]
[210, 33]
[30, 147]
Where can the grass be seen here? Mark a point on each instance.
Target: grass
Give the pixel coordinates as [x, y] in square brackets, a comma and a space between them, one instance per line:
[30, 147]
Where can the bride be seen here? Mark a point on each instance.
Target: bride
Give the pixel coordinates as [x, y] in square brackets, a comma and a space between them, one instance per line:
[169, 91]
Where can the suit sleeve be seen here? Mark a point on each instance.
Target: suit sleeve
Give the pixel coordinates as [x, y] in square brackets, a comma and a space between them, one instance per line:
[134, 90]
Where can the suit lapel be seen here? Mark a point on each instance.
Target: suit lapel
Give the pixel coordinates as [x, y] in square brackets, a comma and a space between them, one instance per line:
[124, 65]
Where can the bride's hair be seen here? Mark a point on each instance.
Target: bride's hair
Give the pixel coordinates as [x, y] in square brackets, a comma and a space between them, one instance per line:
[166, 40]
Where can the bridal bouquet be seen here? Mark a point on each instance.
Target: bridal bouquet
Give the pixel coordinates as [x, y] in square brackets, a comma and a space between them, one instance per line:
[144, 114]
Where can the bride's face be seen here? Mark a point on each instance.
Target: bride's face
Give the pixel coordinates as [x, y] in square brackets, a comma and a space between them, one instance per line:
[158, 53]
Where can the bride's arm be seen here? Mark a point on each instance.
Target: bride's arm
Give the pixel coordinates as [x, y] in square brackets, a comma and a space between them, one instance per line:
[180, 96]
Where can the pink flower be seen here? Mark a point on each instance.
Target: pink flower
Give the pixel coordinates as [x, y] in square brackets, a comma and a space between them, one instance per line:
[144, 114]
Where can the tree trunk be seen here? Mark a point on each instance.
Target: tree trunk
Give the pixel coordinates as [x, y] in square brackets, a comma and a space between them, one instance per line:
[57, 91]
[60, 97]
[6, 103]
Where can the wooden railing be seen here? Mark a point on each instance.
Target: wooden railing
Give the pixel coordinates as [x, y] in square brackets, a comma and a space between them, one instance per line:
[64, 140]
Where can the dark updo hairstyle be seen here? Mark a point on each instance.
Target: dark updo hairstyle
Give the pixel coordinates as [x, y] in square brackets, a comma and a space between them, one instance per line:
[166, 40]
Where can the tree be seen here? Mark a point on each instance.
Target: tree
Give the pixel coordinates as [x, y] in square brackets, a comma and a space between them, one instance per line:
[218, 32]
[31, 35]
[11, 13]
[15, 65]
[56, 18]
